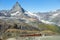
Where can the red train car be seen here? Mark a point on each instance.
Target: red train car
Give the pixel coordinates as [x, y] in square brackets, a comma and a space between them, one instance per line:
[26, 35]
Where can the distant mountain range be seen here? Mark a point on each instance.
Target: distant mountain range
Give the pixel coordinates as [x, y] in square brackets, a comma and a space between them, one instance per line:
[50, 17]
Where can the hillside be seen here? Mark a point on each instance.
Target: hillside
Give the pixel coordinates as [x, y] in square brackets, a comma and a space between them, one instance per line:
[48, 27]
[17, 21]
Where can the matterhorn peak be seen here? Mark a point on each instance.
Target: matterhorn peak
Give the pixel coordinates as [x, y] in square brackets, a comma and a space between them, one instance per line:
[17, 7]
[17, 4]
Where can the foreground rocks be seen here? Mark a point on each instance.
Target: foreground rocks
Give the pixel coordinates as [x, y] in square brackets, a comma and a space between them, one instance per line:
[36, 38]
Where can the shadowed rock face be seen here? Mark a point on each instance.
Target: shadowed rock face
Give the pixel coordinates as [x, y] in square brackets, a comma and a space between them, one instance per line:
[5, 25]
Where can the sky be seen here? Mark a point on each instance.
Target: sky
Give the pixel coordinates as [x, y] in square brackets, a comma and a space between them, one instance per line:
[32, 5]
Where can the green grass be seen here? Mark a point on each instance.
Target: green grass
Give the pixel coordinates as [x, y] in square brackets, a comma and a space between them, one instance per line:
[53, 28]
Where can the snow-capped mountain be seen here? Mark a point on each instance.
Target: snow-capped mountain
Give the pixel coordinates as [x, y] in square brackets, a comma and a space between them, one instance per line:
[52, 17]
[4, 13]
[56, 18]
[17, 12]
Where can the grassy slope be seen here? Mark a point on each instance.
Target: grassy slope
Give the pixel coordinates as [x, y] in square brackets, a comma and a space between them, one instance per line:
[53, 28]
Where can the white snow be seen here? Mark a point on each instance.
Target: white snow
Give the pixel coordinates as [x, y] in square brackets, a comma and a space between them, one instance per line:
[15, 13]
[47, 22]
[54, 15]
[30, 14]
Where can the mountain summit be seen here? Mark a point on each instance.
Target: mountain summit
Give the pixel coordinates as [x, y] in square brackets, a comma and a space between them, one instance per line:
[17, 7]
[16, 10]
